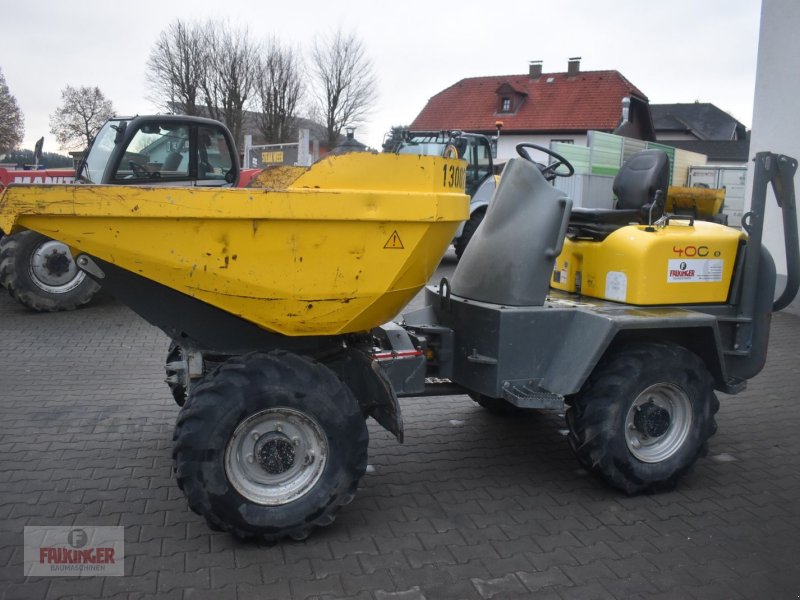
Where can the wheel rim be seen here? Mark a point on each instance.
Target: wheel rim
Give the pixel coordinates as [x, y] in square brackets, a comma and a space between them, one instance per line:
[658, 423]
[53, 269]
[276, 456]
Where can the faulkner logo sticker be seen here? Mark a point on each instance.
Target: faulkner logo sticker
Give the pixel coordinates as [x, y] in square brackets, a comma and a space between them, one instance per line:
[65, 551]
[694, 270]
[394, 242]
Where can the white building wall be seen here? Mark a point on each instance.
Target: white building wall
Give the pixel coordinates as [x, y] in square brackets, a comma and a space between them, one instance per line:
[507, 144]
[775, 124]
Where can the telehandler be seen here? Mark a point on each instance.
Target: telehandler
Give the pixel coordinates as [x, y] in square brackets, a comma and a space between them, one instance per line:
[39, 272]
[276, 296]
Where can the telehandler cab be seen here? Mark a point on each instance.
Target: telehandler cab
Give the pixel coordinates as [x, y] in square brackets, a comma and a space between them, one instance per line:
[276, 296]
[174, 150]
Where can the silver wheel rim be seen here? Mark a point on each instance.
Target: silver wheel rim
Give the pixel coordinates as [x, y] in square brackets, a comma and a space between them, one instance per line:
[654, 448]
[45, 278]
[276, 456]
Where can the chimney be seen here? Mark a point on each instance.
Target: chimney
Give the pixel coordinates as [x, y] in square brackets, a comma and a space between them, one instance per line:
[573, 66]
[535, 69]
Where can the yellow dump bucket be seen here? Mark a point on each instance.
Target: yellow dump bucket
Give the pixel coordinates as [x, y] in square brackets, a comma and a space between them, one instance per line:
[335, 248]
[702, 202]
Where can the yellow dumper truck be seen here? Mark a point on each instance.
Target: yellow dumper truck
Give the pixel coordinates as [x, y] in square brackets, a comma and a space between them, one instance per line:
[279, 300]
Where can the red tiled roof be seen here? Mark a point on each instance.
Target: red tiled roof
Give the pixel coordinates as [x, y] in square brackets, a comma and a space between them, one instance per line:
[587, 100]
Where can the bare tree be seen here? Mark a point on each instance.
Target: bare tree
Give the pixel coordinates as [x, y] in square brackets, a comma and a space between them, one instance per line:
[177, 67]
[345, 83]
[279, 90]
[230, 80]
[11, 119]
[82, 112]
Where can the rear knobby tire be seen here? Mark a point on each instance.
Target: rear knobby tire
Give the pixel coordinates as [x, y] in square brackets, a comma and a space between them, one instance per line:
[177, 371]
[302, 430]
[643, 417]
[40, 273]
[470, 227]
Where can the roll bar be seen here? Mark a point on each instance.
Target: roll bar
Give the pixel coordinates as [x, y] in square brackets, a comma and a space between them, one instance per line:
[777, 170]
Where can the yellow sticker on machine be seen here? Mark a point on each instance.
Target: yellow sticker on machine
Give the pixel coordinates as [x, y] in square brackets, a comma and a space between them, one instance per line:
[695, 270]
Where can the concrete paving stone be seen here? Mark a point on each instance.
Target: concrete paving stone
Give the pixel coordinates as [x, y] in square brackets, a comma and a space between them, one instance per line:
[227, 576]
[719, 590]
[483, 535]
[536, 581]
[252, 553]
[458, 590]
[278, 590]
[386, 544]
[518, 546]
[465, 571]
[338, 566]
[584, 573]
[224, 593]
[502, 566]
[156, 563]
[171, 580]
[146, 583]
[523, 529]
[74, 587]
[423, 576]
[469, 496]
[412, 593]
[301, 569]
[306, 588]
[557, 540]
[435, 540]
[588, 554]
[507, 586]
[632, 585]
[376, 580]
[672, 579]
[438, 556]
[587, 591]
[24, 591]
[359, 596]
[466, 553]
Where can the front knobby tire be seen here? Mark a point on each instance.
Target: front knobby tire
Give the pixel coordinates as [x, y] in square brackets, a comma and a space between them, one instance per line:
[41, 274]
[270, 446]
[643, 417]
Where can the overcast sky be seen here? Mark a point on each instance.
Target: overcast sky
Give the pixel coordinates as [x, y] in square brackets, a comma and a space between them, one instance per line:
[675, 51]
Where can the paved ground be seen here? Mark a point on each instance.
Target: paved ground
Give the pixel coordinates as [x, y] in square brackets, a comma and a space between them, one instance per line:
[471, 506]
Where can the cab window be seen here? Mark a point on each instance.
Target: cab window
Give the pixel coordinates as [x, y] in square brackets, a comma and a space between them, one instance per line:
[214, 160]
[156, 152]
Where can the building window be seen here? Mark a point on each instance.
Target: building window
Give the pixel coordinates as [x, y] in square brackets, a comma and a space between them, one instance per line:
[505, 104]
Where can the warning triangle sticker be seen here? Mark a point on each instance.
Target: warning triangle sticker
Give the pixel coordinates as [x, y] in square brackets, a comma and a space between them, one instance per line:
[394, 242]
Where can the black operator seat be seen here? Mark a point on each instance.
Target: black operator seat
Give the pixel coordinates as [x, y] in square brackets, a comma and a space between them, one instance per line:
[636, 186]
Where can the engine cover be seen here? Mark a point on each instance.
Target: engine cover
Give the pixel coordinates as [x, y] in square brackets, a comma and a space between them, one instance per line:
[680, 263]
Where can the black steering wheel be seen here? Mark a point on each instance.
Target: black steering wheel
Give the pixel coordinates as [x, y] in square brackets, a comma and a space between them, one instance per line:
[550, 171]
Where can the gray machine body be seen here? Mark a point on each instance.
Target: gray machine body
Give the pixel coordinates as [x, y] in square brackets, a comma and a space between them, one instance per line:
[498, 330]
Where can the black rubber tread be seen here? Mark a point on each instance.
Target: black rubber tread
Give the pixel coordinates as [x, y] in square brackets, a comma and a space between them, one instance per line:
[470, 227]
[596, 415]
[497, 406]
[239, 388]
[15, 257]
[178, 390]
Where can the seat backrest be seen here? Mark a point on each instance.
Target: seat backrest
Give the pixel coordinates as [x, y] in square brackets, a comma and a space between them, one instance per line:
[510, 258]
[172, 161]
[640, 177]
